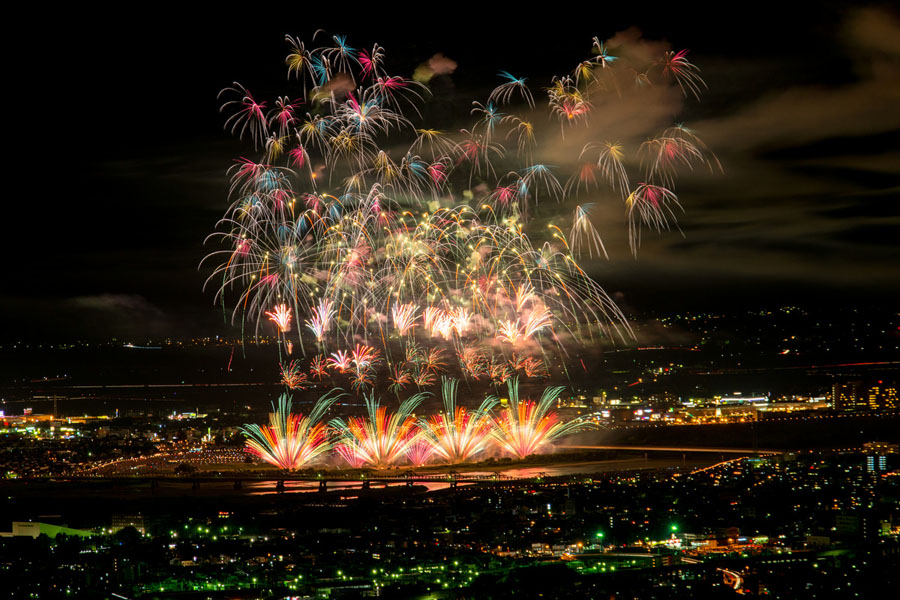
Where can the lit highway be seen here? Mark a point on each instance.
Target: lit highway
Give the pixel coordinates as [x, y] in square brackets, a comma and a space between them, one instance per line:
[675, 449]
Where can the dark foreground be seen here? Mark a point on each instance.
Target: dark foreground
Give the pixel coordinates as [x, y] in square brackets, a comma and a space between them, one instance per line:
[808, 525]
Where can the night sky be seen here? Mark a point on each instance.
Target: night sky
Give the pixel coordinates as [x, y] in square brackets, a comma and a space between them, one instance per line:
[123, 170]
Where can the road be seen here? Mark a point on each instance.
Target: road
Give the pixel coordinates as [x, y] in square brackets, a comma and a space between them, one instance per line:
[674, 449]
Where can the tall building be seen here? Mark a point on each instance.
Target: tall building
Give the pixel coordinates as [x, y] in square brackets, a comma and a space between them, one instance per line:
[877, 456]
[848, 396]
[876, 464]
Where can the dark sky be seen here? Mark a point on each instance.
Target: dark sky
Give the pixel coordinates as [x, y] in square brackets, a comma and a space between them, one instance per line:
[122, 173]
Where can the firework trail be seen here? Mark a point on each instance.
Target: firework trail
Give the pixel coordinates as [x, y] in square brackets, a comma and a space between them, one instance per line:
[584, 234]
[650, 205]
[318, 367]
[339, 361]
[321, 319]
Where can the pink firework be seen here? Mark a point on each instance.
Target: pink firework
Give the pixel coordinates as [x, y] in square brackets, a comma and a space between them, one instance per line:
[339, 361]
[420, 452]
[283, 115]
[298, 156]
[370, 61]
[662, 157]
[686, 75]
[504, 196]
[350, 454]
[438, 173]
[250, 116]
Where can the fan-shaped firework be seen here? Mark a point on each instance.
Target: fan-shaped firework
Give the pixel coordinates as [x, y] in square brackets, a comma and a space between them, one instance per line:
[458, 434]
[524, 426]
[419, 452]
[381, 439]
[290, 441]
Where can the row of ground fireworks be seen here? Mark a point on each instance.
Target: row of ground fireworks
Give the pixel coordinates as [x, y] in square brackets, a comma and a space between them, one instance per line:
[382, 439]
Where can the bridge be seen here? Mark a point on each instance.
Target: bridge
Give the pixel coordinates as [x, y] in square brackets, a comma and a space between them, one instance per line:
[408, 479]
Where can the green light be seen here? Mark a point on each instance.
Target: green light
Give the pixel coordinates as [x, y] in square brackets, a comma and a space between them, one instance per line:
[599, 534]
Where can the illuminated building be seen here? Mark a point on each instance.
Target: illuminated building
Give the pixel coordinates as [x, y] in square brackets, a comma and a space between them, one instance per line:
[876, 456]
[876, 463]
[881, 448]
[848, 396]
[882, 396]
[122, 521]
[35, 529]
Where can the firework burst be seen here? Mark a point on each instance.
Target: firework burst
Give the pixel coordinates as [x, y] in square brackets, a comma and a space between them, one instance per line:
[344, 217]
[290, 441]
[457, 434]
[292, 375]
[382, 438]
[524, 427]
